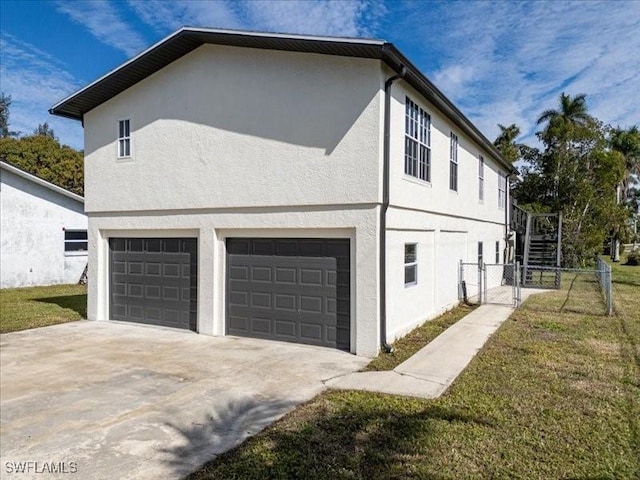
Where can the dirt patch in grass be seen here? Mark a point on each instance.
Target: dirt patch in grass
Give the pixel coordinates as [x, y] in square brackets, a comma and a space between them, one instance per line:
[24, 308]
[408, 345]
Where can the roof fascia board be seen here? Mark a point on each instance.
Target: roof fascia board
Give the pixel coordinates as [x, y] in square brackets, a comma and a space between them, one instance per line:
[32, 178]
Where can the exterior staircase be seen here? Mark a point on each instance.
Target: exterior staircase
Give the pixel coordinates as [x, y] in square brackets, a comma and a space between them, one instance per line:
[538, 240]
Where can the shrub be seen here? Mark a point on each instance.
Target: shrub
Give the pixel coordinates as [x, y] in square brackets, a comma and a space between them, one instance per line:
[633, 258]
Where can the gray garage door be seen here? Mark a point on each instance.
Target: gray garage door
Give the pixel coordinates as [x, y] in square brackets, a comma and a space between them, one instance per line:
[293, 290]
[154, 281]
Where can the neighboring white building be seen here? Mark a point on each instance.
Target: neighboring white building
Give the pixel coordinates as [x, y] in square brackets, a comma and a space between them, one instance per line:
[43, 231]
[242, 183]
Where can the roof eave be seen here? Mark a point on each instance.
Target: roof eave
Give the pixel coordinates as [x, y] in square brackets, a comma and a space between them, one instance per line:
[39, 181]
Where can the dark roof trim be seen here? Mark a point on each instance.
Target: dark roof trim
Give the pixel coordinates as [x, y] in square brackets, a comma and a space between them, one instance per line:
[188, 39]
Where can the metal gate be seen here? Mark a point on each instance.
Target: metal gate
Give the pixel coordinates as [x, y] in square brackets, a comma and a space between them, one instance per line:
[490, 283]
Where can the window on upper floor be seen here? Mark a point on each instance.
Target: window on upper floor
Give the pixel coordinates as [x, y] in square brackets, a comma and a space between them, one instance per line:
[75, 241]
[417, 142]
[481, 178]
[410, 264]
[124, 138]
[502, 190]
[453, 162]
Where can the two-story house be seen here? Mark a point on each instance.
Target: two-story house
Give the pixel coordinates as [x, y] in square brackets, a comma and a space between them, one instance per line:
[309, 189]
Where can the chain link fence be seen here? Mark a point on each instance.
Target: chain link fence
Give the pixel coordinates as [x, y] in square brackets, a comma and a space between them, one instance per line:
[586, 291]
[489, 283]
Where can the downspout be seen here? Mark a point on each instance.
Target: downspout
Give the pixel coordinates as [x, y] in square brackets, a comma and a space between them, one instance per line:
[508, 207]
[383, 211]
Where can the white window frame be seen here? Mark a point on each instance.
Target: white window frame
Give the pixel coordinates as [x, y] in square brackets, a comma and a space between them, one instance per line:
[124, 139]
[417, 143]
[502, 191]
[481, 178]
[411, 264]
[453, 162]
[70, 241]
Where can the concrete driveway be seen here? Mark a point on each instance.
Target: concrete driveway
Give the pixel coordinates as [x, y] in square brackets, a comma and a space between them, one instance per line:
[112, 400]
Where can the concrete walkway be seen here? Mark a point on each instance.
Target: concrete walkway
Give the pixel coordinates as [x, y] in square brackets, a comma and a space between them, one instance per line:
[433, 369]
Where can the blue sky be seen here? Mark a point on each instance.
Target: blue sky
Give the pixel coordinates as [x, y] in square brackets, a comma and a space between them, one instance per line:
[500, 62]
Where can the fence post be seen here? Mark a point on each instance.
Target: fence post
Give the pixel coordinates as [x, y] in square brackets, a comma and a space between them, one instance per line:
[484, 280]
[519, 285]
[609, 292]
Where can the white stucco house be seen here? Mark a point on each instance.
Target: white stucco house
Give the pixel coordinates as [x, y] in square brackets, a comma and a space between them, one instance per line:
[308, 189]
[43, 231]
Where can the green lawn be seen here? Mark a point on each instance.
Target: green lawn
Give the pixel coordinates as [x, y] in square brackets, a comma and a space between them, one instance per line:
[554, 394]
[23, 308]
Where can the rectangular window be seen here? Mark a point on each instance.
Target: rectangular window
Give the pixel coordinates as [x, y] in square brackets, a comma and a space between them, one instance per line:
[410, 264]
[481, 178]
[124, 138]
[417, 142]
[75, 241]
[498, 251]
[453, 162]
[480, 253]
[502, 190]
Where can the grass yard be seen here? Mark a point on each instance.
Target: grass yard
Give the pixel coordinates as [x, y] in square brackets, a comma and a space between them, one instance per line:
[24, 308]
[554, 394]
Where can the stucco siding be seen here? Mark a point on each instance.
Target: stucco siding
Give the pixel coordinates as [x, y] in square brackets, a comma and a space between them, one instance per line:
[442, 241]
[212, 228]
[32, 223]
[238, 127]
[436, 196]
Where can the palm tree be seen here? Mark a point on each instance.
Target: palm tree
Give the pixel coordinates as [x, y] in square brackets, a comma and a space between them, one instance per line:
[572, 113]
[506, 142]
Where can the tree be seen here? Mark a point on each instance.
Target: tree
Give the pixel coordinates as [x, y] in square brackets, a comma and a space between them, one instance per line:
[562, 122]
[5, 103]
[43, 156]
[45, 130]
[506, 142]
[627, 143]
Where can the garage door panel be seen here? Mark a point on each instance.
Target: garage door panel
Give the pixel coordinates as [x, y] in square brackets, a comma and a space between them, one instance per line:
[288, 289]
[154, 281]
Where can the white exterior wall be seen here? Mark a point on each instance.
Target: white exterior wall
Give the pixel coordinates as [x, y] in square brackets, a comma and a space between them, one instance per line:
[214, 226]
[230, 142]
[446, 225]
[238, 127]
[32, 223]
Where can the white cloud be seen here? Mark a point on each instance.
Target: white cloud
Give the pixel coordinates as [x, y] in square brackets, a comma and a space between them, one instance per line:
[322, 17]
[35, 80]
[105, 23]
[168, 16]
[506, 62]
[339, 18]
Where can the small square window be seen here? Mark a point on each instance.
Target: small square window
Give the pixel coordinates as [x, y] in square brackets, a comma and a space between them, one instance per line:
[410, 264]
[75, 241]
